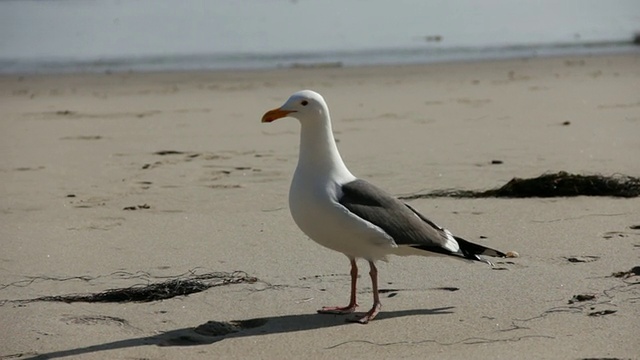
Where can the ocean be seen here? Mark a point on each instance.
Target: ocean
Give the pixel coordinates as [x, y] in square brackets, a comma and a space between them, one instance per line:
[61, 36]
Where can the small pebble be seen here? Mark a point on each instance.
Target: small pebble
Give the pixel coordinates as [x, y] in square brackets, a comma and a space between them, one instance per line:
[512, 254]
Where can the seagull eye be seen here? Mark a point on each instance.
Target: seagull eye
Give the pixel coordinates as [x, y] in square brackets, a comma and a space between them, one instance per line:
[304, 102]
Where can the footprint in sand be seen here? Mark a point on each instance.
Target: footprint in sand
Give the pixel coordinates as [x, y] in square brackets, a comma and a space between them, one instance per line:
[101, 223]
[582, 259]
[90, 202]
[472, 102]
[614, 234]
[95, 320]
[82, 137]
[26, 168]
[204, 333]
[220, 328]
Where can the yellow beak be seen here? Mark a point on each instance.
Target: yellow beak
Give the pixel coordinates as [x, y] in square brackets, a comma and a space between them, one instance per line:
[275, 114]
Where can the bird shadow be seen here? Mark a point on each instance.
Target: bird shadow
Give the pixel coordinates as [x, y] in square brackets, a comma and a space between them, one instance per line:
[214, 331]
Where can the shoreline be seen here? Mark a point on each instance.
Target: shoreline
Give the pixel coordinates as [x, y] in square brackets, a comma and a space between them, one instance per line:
[364, 58]
[316, 72]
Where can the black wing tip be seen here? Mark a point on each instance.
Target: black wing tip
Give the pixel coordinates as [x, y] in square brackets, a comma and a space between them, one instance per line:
[472, 250]
[494, 253]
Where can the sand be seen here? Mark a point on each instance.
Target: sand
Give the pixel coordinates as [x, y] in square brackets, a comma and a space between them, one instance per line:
[89, 205]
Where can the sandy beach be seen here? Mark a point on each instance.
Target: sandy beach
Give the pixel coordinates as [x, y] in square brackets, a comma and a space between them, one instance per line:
[115, 180]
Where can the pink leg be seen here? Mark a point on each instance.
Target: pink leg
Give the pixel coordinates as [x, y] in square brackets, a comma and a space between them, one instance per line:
[371, 314]
[352, 303]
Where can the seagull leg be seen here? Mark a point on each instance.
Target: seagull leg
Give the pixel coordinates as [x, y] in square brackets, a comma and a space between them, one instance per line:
[352, 303]
[371, 314]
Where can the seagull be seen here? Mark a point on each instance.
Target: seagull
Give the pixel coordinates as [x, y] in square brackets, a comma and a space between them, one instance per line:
[352, 216]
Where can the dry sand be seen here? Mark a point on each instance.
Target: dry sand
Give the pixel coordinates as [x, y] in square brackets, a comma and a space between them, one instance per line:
[79, 149]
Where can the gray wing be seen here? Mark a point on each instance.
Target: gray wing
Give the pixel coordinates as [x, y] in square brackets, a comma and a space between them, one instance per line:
[399, 220]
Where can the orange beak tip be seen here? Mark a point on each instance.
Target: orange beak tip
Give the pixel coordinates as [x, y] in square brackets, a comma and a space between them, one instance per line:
[275, 114]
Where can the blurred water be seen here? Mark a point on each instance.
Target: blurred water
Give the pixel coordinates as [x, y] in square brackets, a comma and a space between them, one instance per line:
[142, 35]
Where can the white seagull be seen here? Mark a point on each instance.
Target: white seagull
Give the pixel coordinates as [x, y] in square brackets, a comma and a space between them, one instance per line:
[346, 214]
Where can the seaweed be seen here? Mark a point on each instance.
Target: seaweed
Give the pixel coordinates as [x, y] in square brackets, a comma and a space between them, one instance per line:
[177, 286]
[560, 184]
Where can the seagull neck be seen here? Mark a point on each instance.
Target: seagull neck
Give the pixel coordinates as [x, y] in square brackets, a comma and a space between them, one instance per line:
[318, 149]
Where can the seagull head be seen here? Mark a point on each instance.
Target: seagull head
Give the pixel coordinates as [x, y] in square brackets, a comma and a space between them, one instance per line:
[302, 105]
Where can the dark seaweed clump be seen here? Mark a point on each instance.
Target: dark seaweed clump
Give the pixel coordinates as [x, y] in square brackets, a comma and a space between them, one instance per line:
[180, 286]
[565, 184]
[560, 184]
